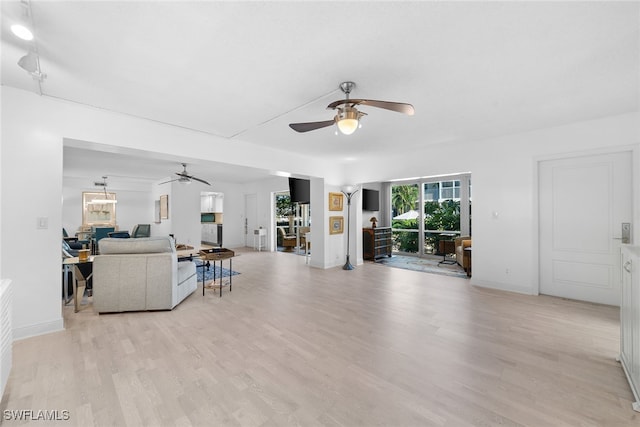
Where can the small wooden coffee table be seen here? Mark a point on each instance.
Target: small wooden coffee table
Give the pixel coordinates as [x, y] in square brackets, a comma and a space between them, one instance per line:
[216, 254]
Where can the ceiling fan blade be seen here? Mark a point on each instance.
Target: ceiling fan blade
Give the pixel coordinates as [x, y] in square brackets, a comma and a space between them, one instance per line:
[200, 180]
[306, 127]
[166, 182]
[399, 107]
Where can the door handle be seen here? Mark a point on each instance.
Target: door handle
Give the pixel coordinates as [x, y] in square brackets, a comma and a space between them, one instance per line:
[627, 266]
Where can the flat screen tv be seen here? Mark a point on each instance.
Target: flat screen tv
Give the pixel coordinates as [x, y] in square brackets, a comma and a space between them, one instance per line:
[300, 190]
[370, 200]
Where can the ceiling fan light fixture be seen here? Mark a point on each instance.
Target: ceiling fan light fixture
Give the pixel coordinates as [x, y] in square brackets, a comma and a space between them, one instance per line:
[348, 121]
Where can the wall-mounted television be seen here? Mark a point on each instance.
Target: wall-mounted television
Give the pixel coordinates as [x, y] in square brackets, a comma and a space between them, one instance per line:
[300, 190]
[370, 200]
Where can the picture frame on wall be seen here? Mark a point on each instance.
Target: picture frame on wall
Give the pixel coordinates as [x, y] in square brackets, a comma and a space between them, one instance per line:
[96, 213]
[164, 206]
[336, 225]
[335, 201]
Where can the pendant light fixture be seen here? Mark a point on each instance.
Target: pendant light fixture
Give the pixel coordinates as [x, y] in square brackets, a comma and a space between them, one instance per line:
[106, 198]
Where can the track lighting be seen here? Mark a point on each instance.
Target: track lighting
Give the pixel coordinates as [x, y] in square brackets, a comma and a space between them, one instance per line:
[29, 62]
[22, 31]
[22, 28]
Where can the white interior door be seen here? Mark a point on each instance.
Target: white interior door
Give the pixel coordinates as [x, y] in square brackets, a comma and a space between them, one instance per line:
[251, 218]
[583, 203]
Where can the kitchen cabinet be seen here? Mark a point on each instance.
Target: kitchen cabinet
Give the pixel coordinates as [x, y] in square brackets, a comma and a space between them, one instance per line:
[211, 234]
[211, 202]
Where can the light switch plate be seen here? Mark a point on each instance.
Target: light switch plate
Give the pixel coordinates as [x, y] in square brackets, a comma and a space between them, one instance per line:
[42, 223]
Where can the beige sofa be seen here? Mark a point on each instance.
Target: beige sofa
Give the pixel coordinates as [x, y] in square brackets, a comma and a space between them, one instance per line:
[140, 274]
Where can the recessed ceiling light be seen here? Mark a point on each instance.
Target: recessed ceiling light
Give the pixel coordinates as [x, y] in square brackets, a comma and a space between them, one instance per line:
[21, 31]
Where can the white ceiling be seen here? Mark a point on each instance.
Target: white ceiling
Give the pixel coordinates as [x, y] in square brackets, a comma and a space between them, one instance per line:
[125, 167]
[244, 70]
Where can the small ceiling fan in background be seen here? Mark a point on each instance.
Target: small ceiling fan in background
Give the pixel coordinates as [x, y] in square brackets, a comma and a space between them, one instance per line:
[348, 117]
[185, 178]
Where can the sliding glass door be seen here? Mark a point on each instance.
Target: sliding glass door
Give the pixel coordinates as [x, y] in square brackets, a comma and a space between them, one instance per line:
[436, 209]
[405, 218]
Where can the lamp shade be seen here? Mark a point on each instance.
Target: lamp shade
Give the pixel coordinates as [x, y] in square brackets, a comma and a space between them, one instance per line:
[348, 126]
[348, 121]
[348, 189]
[29, 62]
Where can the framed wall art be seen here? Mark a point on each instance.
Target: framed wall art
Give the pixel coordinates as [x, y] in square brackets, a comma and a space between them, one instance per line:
[97, 212]
[336, 224]
[335, 201]
[164, 206]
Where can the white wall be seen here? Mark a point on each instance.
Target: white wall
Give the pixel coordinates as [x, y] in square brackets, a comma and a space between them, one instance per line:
[135, 205]
[184, 212]
[326, 250]
[31, 188]
[382, 215]
[503, 174]
[165, 226]
[233, 213]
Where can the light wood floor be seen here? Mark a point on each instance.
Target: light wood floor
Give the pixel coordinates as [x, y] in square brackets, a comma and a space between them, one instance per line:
[292, 345]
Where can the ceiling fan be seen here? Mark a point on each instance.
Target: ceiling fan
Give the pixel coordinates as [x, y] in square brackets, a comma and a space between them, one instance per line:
[185, 178]
[348, 117]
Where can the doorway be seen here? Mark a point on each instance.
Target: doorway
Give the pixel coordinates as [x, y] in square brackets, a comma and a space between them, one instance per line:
[583, 202]
[284, 221]
[292, 221]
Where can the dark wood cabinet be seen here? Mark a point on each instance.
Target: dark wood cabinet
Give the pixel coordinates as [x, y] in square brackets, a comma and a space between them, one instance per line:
[376, 242]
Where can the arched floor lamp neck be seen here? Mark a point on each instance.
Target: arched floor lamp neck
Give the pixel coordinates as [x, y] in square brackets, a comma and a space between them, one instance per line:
[348, 192]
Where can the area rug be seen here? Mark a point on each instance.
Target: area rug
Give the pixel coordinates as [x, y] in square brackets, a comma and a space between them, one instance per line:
[425, 265]
[208, 273]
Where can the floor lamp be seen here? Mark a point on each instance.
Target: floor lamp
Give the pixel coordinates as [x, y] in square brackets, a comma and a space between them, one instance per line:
[348, 191]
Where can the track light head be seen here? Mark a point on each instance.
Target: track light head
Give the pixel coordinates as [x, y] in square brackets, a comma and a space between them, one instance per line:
[29, 62]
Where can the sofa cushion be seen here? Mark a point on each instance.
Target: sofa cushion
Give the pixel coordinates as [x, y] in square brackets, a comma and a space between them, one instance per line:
[145, 245]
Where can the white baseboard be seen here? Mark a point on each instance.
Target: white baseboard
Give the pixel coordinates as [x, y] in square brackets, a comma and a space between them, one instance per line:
[501, 286]
[38, 329]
